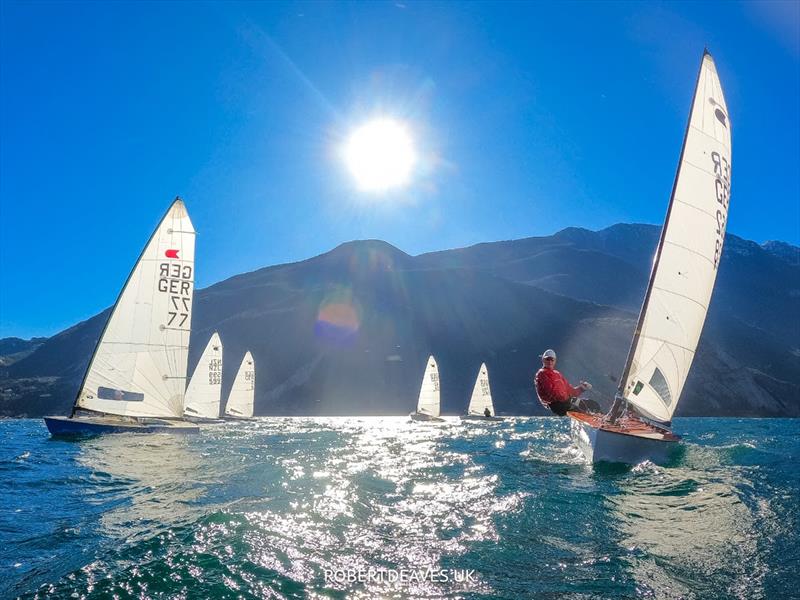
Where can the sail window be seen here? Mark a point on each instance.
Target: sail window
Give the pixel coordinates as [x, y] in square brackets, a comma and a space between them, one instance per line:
[659, 383]
[105, 393]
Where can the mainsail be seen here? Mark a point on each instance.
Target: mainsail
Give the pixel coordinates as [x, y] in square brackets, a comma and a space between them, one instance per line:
[687, 258]
[203, 391]
[240, 400]
[428, 402]
[481, 394]
[139, 365]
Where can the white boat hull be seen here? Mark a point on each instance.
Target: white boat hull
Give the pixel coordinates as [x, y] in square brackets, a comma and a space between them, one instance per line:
[601, 445]
[480, 418]
[201, 420]
[422, 417]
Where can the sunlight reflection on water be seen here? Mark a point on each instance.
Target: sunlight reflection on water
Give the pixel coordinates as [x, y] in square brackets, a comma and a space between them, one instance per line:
[262, 509]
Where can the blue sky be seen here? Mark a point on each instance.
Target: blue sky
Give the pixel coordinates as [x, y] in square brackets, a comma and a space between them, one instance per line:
[528, 117]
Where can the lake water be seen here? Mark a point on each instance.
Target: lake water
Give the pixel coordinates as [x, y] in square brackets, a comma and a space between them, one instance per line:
[295, 508]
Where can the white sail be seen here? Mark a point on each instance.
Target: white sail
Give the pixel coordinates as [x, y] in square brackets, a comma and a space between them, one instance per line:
[242, 396]
[203, 391]
[139, 365]
[481, 395]
[686, 262]
[428, 402]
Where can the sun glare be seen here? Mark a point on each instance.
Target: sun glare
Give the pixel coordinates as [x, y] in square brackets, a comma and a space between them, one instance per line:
[380, 155]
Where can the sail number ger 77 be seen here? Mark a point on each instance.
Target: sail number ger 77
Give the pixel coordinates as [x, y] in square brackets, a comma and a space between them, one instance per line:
[176, 280]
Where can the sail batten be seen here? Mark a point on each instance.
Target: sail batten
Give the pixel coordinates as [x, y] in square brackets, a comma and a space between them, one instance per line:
[687, 259]
[138, 368]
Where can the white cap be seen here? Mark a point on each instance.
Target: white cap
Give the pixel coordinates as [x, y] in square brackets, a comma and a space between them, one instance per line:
[549, 353]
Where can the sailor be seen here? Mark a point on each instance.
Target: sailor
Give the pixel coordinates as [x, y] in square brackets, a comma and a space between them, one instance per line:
[556, 393]
[487, 412]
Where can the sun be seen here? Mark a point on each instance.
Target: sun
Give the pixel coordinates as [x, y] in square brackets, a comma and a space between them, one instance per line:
[380, 155]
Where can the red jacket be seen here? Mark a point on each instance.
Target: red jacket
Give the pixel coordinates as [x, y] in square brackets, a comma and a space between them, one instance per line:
[552, 386]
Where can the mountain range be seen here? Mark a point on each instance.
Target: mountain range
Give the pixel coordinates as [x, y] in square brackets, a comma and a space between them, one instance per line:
[349, 331]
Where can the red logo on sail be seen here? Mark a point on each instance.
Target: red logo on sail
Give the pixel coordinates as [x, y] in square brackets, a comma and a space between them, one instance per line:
[172, 253]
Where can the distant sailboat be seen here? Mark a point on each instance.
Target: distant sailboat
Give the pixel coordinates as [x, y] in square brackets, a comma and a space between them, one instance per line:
[480, 404]
[137, 375]
[203, 393]
[428, 402]
[677, 296]
[242, 396]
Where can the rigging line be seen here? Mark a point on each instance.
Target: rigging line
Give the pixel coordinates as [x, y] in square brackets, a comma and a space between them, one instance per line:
[711, 216]
[703, 170]
[721, 142]
[655, 352]
[147, 344]
[658, 339]
[690, 250]
[703, 306]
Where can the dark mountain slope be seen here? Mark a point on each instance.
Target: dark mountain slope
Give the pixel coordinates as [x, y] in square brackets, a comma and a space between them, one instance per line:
[348, 332]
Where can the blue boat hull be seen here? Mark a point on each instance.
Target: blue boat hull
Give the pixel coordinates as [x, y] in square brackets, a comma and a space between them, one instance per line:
[65, 426]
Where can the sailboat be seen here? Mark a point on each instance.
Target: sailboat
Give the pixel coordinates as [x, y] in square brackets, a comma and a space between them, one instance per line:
[678, 293]
[204, 390]
[480, 404]
[242, 396]
[428, 402]
[137, 374]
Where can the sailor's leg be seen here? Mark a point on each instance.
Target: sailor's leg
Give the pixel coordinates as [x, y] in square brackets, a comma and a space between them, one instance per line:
[585, 405]
[591, 405]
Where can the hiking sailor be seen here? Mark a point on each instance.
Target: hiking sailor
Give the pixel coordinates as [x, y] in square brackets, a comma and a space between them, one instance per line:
[556, 393]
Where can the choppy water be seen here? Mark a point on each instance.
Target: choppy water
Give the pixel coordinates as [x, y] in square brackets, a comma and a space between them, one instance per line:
[264, 509]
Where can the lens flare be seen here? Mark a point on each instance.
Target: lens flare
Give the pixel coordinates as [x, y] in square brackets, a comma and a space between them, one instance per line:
[380, 155]
[337, 322]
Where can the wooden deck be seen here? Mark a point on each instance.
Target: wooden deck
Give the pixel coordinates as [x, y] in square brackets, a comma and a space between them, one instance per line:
[625, 426]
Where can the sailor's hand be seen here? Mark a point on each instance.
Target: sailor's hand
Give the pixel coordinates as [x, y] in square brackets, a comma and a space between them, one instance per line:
[586, 385]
